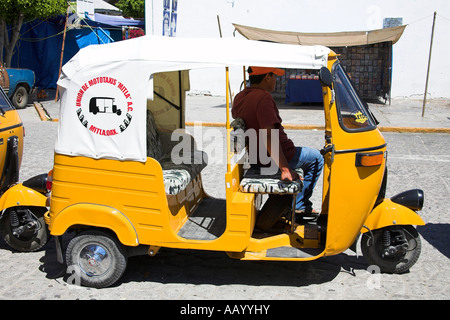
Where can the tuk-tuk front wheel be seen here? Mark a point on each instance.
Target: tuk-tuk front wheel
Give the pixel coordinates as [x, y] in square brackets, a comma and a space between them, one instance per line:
[97, 258]
[24, 228]
[393, 249]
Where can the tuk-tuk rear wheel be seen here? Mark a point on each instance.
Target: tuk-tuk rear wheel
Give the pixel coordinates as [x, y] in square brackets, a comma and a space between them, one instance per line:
[399, 256]
[97, 258]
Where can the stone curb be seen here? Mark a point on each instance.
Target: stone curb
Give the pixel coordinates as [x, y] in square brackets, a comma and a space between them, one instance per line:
[318, 127]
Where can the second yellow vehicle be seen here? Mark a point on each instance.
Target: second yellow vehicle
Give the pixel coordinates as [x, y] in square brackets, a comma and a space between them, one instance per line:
[22, 205]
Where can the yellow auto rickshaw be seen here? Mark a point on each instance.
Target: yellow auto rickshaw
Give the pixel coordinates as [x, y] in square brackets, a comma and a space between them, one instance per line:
[22, 205]
[132, 184]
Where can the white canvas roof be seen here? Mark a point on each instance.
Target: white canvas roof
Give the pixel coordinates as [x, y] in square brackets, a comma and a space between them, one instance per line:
[104, 88]
[330, 39]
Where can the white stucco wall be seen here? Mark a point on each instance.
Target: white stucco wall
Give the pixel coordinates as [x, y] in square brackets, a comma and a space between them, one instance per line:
[198, 18]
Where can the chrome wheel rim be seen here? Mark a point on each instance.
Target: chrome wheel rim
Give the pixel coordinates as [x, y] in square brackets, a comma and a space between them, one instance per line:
[94, 260]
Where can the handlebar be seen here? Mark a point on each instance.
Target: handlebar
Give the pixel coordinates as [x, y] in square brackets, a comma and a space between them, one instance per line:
[326, 149]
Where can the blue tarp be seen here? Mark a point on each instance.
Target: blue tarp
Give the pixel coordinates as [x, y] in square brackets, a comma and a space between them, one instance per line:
[40, 44]
[40, 50]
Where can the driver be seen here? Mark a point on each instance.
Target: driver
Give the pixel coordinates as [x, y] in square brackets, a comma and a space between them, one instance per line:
[258, 109]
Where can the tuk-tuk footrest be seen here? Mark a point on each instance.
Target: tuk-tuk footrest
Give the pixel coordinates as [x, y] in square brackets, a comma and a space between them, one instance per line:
[292, 252]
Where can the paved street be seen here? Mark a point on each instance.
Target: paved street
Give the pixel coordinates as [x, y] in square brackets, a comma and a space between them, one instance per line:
[415, 160]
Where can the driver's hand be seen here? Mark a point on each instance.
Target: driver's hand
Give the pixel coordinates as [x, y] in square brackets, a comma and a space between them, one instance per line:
[289, 175]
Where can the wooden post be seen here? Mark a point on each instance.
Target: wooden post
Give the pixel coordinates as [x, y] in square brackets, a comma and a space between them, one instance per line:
[62, 49]
[429, 63]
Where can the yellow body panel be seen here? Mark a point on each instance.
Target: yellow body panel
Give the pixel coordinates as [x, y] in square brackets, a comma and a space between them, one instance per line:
[97, 216]
[349, 191]
[134, 189]
[10, 125]
[389, 213]
[20, 195]
[354, 191]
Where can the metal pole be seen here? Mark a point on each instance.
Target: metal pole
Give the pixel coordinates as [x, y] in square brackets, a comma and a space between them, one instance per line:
[220, 29]
[429, 63]
[227, 80]
[228, 121]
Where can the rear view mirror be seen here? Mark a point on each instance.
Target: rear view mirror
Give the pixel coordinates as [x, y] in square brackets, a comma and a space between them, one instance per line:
[325, 77]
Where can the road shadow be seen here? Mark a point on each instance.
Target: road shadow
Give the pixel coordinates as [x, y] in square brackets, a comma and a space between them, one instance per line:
[49, 264]
[215, 268]
[436, 234]
[196, 267]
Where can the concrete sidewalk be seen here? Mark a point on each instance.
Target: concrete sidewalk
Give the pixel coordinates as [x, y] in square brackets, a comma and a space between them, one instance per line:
[403, 115]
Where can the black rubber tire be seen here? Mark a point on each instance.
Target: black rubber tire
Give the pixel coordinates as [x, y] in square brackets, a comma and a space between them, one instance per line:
[78, 253]
[20, 97]
[372, 249]
[29, 242]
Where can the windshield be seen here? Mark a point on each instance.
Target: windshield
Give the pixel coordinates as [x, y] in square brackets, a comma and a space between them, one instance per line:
[353, 114]
[4, 103]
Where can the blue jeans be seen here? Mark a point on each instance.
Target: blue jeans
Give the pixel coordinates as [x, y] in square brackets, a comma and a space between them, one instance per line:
[311, 161]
